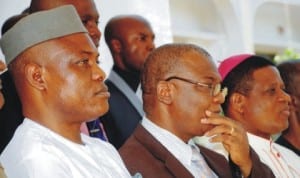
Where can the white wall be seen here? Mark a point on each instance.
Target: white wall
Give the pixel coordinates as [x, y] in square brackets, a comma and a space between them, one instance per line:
[9, 8]
[156, 11]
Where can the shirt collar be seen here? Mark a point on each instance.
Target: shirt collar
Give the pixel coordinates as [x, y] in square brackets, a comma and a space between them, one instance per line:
[179, 149]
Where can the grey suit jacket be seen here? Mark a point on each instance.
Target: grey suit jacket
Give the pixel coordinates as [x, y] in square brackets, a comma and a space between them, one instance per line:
[143, 153]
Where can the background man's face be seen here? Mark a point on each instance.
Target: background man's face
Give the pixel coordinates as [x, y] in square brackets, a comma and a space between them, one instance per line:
[137, 42]
[90, 18]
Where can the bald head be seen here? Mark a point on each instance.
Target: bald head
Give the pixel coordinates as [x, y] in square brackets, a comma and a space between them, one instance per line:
[86, 9]
[130, 39]
[117, 24]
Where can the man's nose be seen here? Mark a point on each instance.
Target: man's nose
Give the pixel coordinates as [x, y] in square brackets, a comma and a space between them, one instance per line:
[98, 73]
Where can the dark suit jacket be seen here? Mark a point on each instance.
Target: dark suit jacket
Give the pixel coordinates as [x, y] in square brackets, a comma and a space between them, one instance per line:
[11, 113]
[121, 119]
[144, 154]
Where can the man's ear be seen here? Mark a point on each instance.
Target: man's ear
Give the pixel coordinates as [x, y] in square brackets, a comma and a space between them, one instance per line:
[237, 102]
[164, 92]
[295, 102]
[116, 45]
[34, 75]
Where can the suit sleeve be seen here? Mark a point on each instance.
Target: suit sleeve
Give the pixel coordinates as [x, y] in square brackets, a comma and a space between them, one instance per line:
[259, 169]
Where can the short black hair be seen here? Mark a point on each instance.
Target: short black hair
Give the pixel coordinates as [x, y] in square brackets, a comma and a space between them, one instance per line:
[289, 70]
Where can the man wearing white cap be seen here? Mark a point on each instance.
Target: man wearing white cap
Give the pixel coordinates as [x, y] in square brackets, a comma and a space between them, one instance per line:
[54, 67]
[11, 113]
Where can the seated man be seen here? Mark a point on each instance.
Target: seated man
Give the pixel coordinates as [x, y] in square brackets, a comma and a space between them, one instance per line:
[257, 99]
[290, 73]
[11, 114]
[182, 97]
[56, 74]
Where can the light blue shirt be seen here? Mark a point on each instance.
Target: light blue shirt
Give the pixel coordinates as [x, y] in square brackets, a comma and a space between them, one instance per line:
[179, 149]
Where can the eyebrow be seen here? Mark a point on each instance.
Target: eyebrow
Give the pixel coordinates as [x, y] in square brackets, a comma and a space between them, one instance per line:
[146, 34]
[90, 53]
[208, 78]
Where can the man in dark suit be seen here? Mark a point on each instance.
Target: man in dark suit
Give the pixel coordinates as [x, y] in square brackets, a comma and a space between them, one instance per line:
[130, 39]
[181, 99]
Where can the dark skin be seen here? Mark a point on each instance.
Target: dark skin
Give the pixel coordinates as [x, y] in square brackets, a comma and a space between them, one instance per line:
[265, 109]
[174, 113]
[292, 134]
[86, 10]
[2, 66]
[89, 16]
[66, 89]
[133, 41]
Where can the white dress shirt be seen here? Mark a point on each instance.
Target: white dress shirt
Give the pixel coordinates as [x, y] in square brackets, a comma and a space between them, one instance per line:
[283, 162]
[37, 152]
[179, 149]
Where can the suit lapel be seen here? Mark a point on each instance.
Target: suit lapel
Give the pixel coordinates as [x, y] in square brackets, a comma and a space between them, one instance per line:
[127, 91]
[161, 153]
[216, 162]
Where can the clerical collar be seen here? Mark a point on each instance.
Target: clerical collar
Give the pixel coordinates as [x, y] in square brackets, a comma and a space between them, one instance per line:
[131, 78]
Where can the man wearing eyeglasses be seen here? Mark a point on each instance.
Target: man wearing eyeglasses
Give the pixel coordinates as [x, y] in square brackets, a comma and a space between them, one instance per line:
[182, 97]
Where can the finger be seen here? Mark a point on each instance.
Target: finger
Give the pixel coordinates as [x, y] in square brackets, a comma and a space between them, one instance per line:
[2, 66]
[217, 120]
[220, 129]
[223, 138]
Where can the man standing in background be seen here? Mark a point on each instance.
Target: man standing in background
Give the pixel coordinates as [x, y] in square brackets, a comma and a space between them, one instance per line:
[130, 39]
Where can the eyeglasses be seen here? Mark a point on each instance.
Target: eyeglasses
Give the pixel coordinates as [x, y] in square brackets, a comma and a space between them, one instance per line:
[214, 90]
